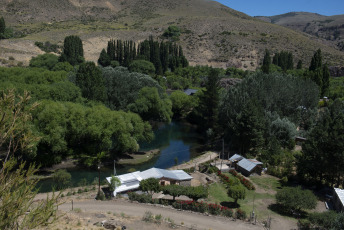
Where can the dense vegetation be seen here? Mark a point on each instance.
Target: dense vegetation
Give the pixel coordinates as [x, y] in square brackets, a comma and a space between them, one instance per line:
[163, 55]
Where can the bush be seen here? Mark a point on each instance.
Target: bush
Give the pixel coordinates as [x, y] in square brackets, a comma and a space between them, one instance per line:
[237, 192]
[227, 212]
[141, 198]
[240, 214]
[100, 196]
[248, 184]
[62, 178]
[295, 198]
[214, 209]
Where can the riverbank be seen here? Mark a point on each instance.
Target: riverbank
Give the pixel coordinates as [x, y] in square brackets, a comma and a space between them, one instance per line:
[138, 157]
[196, 161]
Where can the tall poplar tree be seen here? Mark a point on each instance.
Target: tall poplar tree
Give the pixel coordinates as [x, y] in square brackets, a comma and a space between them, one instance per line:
[73, 51]
[90, 80]
[266, 62]
[2, 26]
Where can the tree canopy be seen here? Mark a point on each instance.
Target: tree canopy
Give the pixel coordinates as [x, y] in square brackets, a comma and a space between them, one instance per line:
[73, 51]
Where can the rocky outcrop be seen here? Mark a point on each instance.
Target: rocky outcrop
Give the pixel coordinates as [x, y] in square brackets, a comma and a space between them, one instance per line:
[336, 71]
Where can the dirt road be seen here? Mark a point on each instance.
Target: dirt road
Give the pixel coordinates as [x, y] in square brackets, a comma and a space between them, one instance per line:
[196, 161]
[195, 220]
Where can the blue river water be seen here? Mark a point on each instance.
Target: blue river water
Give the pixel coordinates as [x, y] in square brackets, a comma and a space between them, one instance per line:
[177, 141]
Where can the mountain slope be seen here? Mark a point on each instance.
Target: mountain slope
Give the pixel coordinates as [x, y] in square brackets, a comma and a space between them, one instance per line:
[330, 28]
[212, 34]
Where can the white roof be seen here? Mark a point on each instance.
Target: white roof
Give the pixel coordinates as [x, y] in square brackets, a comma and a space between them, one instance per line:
[170, 174]
[248, 165]
[131, 181]
[340, 194]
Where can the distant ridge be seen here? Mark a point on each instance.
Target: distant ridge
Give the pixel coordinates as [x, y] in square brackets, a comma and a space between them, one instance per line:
[212, 34]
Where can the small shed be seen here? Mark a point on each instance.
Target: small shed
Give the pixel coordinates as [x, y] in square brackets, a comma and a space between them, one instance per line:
[338, 199]
[250, 166]
[235, 160]
[190, 92]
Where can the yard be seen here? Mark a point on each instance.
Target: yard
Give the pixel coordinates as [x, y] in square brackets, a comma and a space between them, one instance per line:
[259, 199]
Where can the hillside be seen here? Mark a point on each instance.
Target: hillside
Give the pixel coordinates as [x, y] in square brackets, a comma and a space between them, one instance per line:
[212, 34]
[329, 28]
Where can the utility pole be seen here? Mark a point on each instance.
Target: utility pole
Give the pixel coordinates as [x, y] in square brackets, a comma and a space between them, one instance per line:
[114, 168]
[98, 178]
[223, 152]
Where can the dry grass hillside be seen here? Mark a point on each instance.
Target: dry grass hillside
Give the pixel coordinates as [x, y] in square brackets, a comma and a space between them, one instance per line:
[329, 28]
[212, 34]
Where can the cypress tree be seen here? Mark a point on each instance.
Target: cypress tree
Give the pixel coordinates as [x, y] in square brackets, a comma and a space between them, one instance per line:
[325, 80]
[316, 61]
[266, 62]
[73, 51]
[2, 26]
[104, 59]
[299, 64]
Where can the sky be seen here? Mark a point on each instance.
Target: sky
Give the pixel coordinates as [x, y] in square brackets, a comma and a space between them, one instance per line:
[275, 7]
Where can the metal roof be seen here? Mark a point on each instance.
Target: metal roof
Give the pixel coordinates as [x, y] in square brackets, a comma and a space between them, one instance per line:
[170, 174]
[248, 165]
[236, 157]
[131, 181]
[190, 91]
[340, 194]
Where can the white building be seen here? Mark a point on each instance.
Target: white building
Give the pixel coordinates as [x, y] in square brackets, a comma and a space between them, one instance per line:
[131, 181]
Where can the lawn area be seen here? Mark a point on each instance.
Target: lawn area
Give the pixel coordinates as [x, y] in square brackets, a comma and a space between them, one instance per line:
[218, 194]
[266, 182]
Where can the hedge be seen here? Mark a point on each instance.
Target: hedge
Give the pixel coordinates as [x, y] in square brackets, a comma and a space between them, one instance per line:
[248, 184]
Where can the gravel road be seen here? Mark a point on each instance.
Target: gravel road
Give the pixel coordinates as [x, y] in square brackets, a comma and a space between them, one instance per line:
[197, 221]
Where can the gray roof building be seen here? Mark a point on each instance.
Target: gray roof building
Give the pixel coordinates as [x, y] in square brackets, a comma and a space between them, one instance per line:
[190, 91]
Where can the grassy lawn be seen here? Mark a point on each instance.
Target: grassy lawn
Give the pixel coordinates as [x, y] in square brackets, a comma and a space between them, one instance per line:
[218, 194]
[267, 182]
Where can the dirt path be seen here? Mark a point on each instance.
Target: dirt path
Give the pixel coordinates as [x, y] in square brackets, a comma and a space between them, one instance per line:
[194, 220]
[196, 161]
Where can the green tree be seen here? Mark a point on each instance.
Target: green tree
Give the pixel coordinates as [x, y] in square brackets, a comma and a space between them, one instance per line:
[151, 185]
[73, 51]
[338, 222]
[104, 59]
[174, 190]
[323, 153]
[89, 79]
[142, 66]
[296, 199]
[316, 61]
[2, 27]
[62, 178]
[325, 80]
[198, 192]
[17, 181]
[209, 101]
[172, 32]
[151, 107]
[114, 183]
[182, 104]
[299, 64]
[46, 61]
[266, 62]
[237, 192]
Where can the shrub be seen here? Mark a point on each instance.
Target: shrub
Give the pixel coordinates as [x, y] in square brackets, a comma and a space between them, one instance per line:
[141, 198]
[248, 184]
[62, 178]
[80, 191]
[240, 214]
[100, 196]
[227, 212]
[214, 209]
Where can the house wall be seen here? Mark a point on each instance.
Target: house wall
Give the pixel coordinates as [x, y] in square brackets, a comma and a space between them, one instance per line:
[337, 203]
[185, 183]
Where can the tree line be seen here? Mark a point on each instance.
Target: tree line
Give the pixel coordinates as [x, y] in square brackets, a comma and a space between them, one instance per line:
[164, 55]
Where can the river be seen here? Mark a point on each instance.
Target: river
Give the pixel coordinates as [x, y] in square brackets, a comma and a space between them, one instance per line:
[176, 141]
